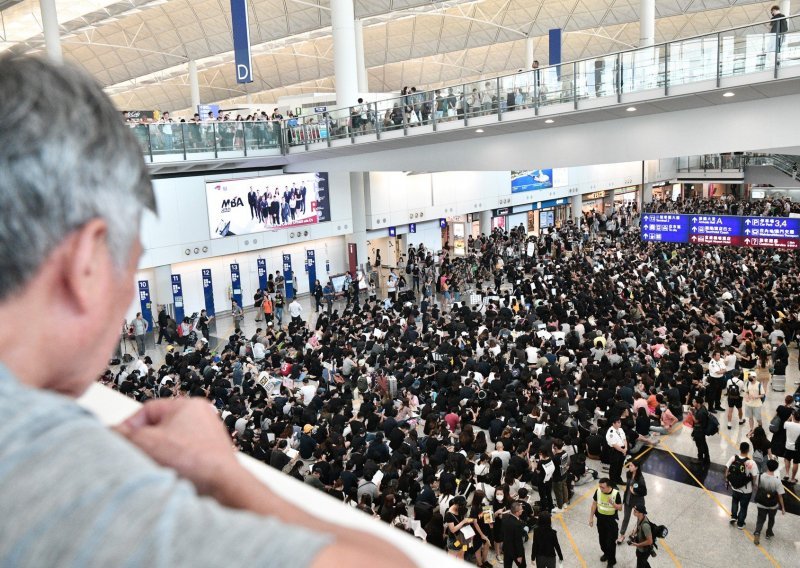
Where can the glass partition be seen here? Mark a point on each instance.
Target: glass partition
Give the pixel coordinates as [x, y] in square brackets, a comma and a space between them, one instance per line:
[711, 57]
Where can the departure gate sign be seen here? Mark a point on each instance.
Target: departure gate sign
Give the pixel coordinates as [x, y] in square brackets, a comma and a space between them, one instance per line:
[762, 232]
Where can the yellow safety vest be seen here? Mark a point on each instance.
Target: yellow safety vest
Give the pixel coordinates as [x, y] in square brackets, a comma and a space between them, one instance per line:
[605, 502]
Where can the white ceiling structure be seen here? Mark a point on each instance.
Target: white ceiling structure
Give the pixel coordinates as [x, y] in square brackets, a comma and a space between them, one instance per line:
[139, 49]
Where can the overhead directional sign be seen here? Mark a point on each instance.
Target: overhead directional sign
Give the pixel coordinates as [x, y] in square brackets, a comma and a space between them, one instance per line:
[701, 229]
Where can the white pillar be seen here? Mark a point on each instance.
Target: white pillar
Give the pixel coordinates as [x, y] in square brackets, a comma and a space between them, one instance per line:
[577, 210]
[194, 85]
[52, 35]
[361, 67]
[647, 23]
[646, 195]
[786, 7]
[359, 182]
[486, 222]
[344, 52]
[528, 53]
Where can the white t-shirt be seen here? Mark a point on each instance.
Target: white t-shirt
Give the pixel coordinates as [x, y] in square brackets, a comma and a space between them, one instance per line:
[616, 437]
[750, 468]
[308, 392]
[792, 433]
[295, 309]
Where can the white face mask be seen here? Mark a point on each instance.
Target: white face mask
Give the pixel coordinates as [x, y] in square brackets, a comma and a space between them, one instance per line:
[499, 496]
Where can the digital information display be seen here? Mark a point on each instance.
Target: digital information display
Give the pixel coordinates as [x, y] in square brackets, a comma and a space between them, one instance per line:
[763, 232]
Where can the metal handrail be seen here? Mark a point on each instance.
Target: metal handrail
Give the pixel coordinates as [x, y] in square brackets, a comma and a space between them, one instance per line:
[534, 89]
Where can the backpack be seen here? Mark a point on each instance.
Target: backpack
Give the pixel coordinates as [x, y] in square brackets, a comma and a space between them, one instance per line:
[737, 473]
[658, 531]
[362, 384]
[766, 498]
[733, 390]
[564, 465]
[713, 425]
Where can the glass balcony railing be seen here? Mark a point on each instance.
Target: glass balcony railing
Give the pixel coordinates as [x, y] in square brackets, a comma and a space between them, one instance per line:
[731, 57]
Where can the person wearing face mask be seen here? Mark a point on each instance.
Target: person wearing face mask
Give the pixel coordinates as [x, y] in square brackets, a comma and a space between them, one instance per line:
[666, 419]
[635, 492]
[500, 505]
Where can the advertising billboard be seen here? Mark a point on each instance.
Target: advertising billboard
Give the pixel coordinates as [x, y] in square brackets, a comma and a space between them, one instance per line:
[534, 180]
[271, 203]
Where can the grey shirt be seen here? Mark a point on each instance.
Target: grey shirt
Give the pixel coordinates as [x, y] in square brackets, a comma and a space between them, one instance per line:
[77, 494]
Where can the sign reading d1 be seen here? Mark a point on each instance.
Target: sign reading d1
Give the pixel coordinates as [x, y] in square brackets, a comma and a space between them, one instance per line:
[241, 41]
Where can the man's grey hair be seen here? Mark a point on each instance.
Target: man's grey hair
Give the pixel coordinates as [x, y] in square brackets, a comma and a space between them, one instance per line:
[65, 158]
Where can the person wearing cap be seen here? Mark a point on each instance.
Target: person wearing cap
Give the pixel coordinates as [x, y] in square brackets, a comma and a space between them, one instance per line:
[606, 501]
[618, 445]
[642, 537]
[307, 444]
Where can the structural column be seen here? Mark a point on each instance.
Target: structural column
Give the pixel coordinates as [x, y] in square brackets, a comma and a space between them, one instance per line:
[486, 222]
[786, 7]
[647, 23]
[577, 211]
[194, 85]
[344, 52]
[361, 67]
[358, 205]
[646, 195]
[52, 34]
[529, 43]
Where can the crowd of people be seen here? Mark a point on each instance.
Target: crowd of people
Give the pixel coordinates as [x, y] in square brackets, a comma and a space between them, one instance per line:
[463, 405]
[727, 205]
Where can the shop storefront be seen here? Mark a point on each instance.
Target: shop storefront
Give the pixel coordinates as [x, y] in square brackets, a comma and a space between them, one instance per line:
[593, 202]
[544, 214]
[626, 195]
[454, 233]
[499, 218]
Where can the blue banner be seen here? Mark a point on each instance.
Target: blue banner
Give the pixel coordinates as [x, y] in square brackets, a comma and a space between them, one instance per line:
[236, 285]
[177, 296]
[288, 276]
[555, 49]
[208, 291]
[311, 269]
[145, 303]
[412, 228]
[532, 180]
[241, 41]
[262, 273]
[701, 229]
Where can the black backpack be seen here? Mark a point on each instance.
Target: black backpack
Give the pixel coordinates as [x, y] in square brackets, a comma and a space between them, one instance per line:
[766, 498]
[658, 531]
[733, 390]
[737, 473]
[713, 425]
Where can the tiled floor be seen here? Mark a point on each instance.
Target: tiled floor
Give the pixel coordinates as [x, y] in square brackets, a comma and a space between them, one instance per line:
[697, 518]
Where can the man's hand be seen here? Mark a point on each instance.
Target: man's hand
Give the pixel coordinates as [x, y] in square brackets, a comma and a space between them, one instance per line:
[185, 435]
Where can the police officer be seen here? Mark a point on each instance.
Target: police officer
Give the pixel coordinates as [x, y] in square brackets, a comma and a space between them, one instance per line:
[605, 504]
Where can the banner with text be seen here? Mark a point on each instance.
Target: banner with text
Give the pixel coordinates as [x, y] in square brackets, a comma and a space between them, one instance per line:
[208, 291]
[761, 232]
[236, 285]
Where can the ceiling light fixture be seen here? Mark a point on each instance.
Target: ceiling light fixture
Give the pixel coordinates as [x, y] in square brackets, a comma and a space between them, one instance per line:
[479, 131]
[549, 121]
[729, 94]
[631, 109]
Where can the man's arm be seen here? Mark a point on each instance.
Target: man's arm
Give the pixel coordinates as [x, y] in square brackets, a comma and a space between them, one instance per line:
[187, 436]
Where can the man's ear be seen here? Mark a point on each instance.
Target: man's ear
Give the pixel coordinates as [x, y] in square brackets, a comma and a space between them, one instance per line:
[86, 264]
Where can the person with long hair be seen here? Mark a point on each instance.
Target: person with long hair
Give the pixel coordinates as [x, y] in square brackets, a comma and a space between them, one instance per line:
[763, 374]
[481, 544]
[545, 544]
[635, 492]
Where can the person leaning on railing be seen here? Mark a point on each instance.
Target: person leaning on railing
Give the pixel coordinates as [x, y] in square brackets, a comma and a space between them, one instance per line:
[166, 488]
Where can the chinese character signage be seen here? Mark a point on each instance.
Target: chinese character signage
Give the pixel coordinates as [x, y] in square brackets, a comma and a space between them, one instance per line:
[762, 232]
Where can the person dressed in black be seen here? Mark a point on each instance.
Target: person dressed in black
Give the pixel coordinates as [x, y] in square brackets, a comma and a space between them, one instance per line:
[699, 431]
[202, 323]
[513, 537]
[635, 492]
[606, 501]
[163, 322]
[318, 294]
[545, 544]
[777, 25]
[258, 300]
